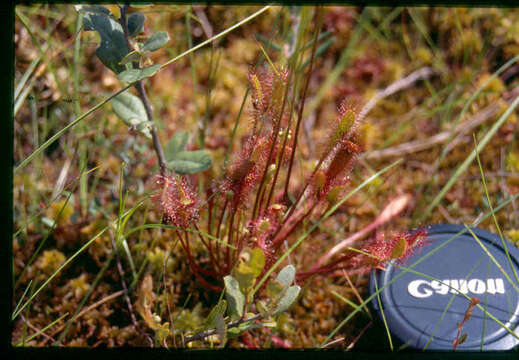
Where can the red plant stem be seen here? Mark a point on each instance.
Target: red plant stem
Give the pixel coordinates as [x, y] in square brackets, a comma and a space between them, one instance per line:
[210, 215]
[239, 244]
[276, 132]
[247, 340]
[221, 218]
[218, 247]
[261, 191]
[229, 239]
[279, 161]
[276, 240]
[395, 207]
[303, 98]
[293, 207]
[209, 247]
[194, 265]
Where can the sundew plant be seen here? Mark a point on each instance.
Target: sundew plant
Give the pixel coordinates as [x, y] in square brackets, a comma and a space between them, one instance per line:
[229, 176]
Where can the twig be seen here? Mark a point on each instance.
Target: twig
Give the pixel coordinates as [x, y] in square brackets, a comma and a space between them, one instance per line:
[206, 25]
[420, 145]
[139, 86]
[204, 334]
[400, 84]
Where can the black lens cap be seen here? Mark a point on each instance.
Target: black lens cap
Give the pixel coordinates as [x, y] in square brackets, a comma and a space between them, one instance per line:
[423, 312]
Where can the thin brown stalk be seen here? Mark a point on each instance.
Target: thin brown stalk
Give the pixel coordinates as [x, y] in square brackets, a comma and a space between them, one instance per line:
[139, 86]
[274, 140]
[209, 247]
[303, 100]
[195, 268]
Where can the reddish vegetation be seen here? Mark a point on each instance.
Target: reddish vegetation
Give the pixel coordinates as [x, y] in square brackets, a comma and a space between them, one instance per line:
[241, 207]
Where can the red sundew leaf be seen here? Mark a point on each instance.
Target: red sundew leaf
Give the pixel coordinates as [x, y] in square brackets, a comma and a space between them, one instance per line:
[177, 200]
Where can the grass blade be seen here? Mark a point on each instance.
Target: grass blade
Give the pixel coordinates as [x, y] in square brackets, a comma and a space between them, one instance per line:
[470, 158]
[42, 330]
[503, 242]
[68, 261]
[217, 36]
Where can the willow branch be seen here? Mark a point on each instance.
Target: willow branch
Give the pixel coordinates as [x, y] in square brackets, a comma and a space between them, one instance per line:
[139, 86]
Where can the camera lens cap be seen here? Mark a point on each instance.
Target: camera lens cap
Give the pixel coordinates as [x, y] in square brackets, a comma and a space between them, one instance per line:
[424, 311]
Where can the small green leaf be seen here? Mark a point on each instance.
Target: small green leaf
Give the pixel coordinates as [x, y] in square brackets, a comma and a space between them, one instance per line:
[257, 261]
[156, 41]
[133, 75]
[274, 289]
[253, 260]
[238, 330]
[234, 296]
[262, 308]
[190, 162]
[288, 299]
[135, 23]
[286, 275]
[143, 125]
[219, 309]
[131, 111]
[176, 144]
[462, 339]
[141, 5]
[221, 329]
[131, 57]
[243, 274]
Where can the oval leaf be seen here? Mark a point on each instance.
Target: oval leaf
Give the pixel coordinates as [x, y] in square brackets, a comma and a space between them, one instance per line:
[176, 144]
[92, 9]
[113, 47]
[274, 290]
[399, 249]
[219, 309]
[156, 41]
[133, 75]
[135, 23]
[286, 275]
[238, 330]
[221, 329]
[131, 111]
[288, 299]
[257, 261]
[190, 162]
[234, 296]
